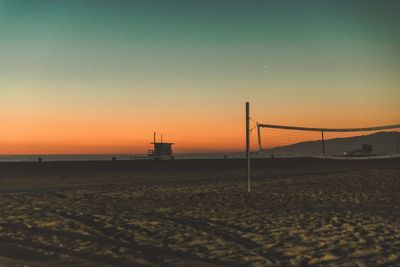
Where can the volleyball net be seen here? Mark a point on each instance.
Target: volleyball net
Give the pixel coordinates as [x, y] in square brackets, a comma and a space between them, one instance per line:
[291, 141]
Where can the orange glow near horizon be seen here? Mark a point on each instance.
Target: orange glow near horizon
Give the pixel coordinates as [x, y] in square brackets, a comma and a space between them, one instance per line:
[38, 133]
[79, 132]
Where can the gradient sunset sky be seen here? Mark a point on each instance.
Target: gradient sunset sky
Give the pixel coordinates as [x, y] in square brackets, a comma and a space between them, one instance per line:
[82, 76]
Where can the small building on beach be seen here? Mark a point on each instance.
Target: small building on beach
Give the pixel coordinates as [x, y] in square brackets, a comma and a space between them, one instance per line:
[161, 150]
[365, 150]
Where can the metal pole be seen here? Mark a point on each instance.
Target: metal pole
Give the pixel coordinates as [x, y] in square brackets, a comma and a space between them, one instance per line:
[248, 144]
[323, 143]
[259, 137]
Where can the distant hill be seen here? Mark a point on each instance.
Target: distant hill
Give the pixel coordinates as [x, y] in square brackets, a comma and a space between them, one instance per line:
[383, 143]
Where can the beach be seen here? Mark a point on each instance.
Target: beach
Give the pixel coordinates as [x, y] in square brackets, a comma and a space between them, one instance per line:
[300, 212]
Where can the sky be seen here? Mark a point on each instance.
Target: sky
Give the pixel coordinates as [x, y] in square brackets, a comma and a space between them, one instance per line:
[82, 76]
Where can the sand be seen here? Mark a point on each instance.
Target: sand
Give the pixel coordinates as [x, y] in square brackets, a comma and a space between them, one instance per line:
[91, 215]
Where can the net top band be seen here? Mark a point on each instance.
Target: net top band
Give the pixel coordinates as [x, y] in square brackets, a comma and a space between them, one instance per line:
[377, 128]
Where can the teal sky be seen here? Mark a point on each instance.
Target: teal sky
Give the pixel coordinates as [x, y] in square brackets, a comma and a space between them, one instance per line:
[298, 62]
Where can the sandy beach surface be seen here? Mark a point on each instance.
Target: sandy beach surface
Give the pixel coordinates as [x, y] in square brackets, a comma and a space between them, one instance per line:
[301, 212]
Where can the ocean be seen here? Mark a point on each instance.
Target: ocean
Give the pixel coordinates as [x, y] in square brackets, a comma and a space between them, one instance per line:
[106, 157]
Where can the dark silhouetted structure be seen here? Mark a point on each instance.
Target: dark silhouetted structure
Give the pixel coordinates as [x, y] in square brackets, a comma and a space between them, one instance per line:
[366, 150]
[161, 150]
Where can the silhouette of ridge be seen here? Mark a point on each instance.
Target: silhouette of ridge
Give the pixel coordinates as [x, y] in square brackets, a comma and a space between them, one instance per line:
[383, 143]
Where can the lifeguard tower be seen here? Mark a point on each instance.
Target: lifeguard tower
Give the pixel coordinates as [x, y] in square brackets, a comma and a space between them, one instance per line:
[161, 150]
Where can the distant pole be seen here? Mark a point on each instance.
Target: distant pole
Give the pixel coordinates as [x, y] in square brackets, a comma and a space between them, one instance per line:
[323, 143]
[259, 137]
[154, 138]
[248, 144]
